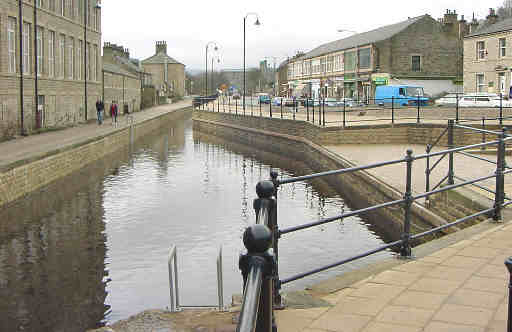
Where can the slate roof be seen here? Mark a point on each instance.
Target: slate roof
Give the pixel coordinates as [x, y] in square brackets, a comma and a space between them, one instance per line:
[113, 68]
[504, 25]
[364, 38]
[160, 58]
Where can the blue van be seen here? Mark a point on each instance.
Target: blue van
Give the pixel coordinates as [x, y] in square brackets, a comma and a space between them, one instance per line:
[404, 95]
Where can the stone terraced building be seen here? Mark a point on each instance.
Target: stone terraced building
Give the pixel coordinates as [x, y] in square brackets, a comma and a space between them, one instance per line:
[58, 51]
[418, 51]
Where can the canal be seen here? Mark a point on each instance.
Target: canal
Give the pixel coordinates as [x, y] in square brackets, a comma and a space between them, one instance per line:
[93, 247]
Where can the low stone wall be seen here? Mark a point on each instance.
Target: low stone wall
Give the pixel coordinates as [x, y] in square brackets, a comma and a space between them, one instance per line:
[413, 133]
[26, 176]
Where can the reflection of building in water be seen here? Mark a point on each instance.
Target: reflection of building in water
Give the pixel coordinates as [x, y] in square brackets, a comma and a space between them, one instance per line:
[52, 252]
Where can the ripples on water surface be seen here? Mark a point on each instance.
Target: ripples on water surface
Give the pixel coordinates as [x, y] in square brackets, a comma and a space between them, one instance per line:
[98, 241]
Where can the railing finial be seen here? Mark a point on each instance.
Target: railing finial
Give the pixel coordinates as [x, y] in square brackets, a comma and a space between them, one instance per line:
[257, 238]
[265, 189]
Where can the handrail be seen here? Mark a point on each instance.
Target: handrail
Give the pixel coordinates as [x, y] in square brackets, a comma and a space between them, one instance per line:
[476, 157]
[478, 130]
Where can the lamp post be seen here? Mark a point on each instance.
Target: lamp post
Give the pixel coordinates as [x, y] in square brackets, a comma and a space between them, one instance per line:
[218, 61]
[215, 48]
[257, 23]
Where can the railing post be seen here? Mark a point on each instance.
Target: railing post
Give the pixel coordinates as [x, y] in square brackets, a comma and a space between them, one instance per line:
[307, 108]
[393, 110]
[270, 104]
[405, 250]
[483, 133]
[344, 112]
[323, 113]
[256, 266]
[501, 109]
[229, 104]
[294, 111]
[457, 107]
[451, 145]
[274, 226]
[218, 105]
[281, 107]
[418, 116]
[499, 197]
[313, 110]
[508, 264]
[320, 103]
[236, 106]
[224, 104]
[427, 172]
[252, 105]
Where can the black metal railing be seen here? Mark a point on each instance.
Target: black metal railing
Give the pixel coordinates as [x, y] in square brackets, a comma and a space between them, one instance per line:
[266, 209]
[348, 111]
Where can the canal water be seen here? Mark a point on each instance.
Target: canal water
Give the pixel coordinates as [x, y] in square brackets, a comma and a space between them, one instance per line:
[92, 248]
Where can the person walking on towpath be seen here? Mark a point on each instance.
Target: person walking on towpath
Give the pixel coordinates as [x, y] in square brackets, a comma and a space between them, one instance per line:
[100, 107]
[113, 113]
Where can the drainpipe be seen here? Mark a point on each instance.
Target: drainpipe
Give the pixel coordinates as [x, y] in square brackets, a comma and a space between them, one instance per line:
[22, 131]
[35, 60]
[86, 71]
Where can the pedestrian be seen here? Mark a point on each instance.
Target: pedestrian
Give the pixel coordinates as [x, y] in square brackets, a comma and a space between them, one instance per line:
[113, 113]
[99, 109]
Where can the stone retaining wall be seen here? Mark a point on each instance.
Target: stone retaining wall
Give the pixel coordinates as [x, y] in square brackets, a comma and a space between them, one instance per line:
[25, 176]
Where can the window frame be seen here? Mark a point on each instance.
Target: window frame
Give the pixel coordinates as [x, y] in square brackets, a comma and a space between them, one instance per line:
[51, 53]
[26, 47]
[11, 47]
[480, 52]
[413, 68]
[502, 47]
[71, 58]
[62, 56]
[480, 86]
[40, 50]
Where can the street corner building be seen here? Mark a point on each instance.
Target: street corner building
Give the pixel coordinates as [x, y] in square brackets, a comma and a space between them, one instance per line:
[418, 51]
[50, 64]
[168, 75]
[488, 57]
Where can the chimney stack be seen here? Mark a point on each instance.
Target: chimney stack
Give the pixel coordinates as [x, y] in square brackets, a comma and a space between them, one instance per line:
[161, 47]
[492, 17]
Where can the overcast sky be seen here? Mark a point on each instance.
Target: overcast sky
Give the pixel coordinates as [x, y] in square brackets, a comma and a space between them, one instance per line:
[286, 26]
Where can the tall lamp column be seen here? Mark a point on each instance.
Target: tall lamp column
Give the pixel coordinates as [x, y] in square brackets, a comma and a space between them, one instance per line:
[215, 48]
[255, 23]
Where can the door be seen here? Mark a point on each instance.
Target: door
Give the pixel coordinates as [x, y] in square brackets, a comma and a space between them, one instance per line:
[502, 83]
[40, 112]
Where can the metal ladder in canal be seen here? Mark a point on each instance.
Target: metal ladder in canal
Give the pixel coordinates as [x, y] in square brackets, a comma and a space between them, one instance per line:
[173, 283]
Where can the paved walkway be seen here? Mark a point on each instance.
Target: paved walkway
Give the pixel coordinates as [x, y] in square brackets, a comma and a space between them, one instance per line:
[460, 288]
[33, 146]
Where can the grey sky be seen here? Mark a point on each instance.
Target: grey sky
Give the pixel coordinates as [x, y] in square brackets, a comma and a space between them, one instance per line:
[287, 26]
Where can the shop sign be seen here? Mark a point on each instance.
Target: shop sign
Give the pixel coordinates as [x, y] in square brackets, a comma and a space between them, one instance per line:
[380, 79]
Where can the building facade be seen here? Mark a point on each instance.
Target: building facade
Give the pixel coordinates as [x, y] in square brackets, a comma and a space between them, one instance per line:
[124, 80]
[168, 75]
[488, 58]
[419, 51]
[55, 46]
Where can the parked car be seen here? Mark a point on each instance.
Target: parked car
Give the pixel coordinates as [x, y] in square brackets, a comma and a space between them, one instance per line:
[276, 101]
[289, 102]
[350, 102]
[332, 102]
[448, 100]
[309, 102]
[263, 98]
[402, 95]
[483, 100]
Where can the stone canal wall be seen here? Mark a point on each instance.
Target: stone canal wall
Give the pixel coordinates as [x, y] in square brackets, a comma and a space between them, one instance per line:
[407, 133]
[26, 176]
[360, 189]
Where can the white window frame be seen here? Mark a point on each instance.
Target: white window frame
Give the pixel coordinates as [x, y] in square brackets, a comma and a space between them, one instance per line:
[51, 53]
[480, 50]
[26, 48]
[71, 58]
[39, 3]
[502, 47]
[330, 63]
[62, 57]
[11, 41]
[79, 60]
[63, 7]
[412, 62]
[88, 56]
[480, 86]
[40, 50]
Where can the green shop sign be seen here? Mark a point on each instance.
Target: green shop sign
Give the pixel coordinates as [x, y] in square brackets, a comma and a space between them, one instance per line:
[380, 80]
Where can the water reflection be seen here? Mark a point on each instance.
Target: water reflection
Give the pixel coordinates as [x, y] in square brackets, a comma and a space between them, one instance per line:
[94, 246]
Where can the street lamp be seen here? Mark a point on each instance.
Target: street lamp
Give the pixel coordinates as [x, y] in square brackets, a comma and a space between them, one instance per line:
[215, 48]
[257, 23]
[218, 61]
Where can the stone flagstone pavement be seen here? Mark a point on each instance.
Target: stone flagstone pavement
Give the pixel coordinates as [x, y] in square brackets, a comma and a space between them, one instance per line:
[463, 287]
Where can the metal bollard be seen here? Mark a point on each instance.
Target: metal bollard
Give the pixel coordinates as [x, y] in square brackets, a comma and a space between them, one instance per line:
[405, 250]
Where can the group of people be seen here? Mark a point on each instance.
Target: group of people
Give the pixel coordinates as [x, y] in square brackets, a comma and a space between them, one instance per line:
[114, 110]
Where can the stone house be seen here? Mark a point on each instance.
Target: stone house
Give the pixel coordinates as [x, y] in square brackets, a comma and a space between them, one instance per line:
[61, 69]
[168, 74]
[488, 57]
[418, 51]
[124, 79]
